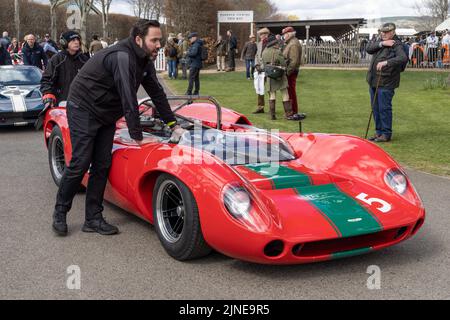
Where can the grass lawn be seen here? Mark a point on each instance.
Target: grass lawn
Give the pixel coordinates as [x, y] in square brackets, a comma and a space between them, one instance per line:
[338, 102]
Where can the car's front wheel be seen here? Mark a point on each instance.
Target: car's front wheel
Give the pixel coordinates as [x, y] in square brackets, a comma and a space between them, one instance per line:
[176, 219]
[56, 156]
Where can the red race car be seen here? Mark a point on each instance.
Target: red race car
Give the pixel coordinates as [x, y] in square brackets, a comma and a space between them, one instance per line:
[286, 198]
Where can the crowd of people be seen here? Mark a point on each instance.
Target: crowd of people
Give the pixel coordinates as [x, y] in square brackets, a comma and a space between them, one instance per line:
[37, 51]
[429, 50]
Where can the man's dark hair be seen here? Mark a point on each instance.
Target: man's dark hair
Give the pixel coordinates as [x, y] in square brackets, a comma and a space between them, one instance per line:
[141, 27]
[95, 37]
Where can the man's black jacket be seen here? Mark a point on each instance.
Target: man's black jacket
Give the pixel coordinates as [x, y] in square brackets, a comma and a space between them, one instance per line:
[395, 57]
[60, 72]
[34, 56]
[108, 83]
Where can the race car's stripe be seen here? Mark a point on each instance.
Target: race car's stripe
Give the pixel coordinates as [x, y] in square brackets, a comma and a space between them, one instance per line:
[281, 176]
[18, 103]
[349, 217]
[350, 253]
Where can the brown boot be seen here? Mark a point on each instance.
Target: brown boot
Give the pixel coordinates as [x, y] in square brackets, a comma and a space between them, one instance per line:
[287, 109]
[272, 110]
[260, 108]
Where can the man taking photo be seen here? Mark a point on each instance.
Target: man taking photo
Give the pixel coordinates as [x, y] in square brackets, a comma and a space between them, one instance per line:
[103, 91]
[388, 61]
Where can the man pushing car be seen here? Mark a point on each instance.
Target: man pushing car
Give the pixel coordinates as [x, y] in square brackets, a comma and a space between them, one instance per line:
[103, 91]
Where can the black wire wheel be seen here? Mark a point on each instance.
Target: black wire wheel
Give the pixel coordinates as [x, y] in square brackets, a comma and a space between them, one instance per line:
[176, 219]
[56, 157]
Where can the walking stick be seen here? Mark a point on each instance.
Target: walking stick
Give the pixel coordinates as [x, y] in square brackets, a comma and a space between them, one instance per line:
[373, 103]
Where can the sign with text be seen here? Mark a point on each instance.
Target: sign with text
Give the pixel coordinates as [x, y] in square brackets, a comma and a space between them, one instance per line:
[235, 16]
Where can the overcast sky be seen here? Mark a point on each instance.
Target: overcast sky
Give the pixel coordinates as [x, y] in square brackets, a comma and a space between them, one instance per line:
[326, 9]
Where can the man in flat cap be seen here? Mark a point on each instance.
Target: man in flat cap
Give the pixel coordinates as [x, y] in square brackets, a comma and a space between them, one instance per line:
[195, 63]
[388, 61]
[293, 54]
[261, 45]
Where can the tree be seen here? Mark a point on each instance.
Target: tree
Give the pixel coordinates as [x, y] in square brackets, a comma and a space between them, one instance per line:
[85, 7]
[53, 16]
[105, 5]
[147, 9]
[17, 18]
[433, 12]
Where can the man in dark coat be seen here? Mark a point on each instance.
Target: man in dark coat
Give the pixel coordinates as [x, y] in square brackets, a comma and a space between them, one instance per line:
[103, 91]
[388, 61]
[232, 48]
[195, 64]
[62, 69]
[33, 54]
[5, 57]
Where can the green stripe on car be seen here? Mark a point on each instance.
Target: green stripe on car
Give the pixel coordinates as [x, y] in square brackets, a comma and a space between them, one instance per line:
[345, 213]
[281, 176]
[350, 253]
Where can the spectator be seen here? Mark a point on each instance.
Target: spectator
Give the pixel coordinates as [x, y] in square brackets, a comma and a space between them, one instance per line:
[62, 69]
[293, 54]
[171, 53]
[445, 43]
[221, 53]
[5, 41]
[432, 48]
[15, 50]
[384, 77]
[183, 45]
[272, 55]
[195, 64]
[249, 53]
[104, 43]
[49, 46]
[231, 49]
[263, 36]
[95, 45]
[33, 54]
[362, 48]
[5, 58]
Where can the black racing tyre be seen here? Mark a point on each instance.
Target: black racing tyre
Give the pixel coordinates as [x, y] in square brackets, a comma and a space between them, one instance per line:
[56, 157]
[176, 219]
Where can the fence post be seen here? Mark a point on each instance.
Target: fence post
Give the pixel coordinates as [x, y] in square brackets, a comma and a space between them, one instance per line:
[340, 54]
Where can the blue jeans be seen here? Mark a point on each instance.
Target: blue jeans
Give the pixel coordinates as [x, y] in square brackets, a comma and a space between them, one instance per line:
[250, 66]
[382, 110]
[172, 68]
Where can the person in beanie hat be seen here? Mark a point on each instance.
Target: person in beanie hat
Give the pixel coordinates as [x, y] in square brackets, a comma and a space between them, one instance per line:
[261, 45]
[292, 52]
[195, 64]
[62, 69]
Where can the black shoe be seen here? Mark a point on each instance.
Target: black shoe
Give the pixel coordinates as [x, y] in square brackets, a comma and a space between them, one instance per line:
[374, 137]
[100, 226]
[382, 138]
[59, 224]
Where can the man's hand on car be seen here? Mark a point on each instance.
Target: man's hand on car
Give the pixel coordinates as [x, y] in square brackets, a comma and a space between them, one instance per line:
[177, 133]
[49, 100]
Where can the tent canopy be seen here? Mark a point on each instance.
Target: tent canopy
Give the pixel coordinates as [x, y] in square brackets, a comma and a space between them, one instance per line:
[444, 25]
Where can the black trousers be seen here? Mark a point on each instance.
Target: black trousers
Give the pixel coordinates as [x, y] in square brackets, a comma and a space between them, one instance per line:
[231, 59]
[194, 81]
[91, 150]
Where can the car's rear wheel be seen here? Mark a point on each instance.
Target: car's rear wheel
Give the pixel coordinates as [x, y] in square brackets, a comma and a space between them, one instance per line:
[176, 219]
[56, 157]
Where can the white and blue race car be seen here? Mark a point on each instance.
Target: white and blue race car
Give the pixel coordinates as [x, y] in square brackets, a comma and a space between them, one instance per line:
[20, 98]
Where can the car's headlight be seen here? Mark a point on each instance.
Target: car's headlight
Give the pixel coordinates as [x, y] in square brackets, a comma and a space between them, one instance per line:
[397, 180]
[237, 201]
